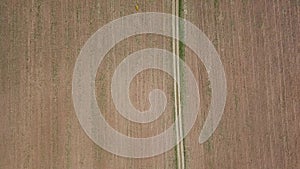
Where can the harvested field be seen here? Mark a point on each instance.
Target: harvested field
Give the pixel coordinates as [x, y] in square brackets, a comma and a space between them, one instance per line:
[259, 47]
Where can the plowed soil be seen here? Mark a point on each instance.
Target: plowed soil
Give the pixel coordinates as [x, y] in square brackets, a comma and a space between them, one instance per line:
[258, 42]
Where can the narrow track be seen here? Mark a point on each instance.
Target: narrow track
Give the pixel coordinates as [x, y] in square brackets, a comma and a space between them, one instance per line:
[178, 114]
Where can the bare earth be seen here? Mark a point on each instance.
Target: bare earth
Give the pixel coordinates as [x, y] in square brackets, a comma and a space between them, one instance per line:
[259, 46]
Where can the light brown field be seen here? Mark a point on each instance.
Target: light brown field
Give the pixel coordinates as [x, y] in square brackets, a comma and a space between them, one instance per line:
[259, 46]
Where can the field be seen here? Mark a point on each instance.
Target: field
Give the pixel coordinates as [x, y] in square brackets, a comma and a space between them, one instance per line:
[258, 42]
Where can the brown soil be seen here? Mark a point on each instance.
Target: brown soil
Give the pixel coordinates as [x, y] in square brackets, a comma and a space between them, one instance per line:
[259, 47]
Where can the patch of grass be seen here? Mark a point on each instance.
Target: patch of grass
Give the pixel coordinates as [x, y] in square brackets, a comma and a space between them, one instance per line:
[244, 2]
[102, 92]
[174, 112]
[216, 3]
[236, 101]
[215, 41]
[55, 71]
[181, 31]
[38, 29]
[208, 89]
[211, 164]
[55, 139]
[176, 159]
[208, 146]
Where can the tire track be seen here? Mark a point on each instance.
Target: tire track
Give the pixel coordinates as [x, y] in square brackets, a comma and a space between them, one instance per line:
[180, 157]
